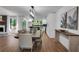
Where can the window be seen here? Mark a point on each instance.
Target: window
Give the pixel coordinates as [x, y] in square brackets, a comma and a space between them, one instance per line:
[12, 23]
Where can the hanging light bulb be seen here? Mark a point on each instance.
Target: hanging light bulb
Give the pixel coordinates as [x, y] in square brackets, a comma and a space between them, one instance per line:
[32, 12]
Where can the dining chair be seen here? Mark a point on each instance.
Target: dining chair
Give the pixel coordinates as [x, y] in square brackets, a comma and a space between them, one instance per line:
[25, 41]
[38, 40]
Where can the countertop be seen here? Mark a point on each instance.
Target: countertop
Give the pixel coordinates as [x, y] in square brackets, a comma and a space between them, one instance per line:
[66, 33]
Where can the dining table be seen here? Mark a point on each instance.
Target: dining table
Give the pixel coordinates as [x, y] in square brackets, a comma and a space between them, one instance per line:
[34, 35]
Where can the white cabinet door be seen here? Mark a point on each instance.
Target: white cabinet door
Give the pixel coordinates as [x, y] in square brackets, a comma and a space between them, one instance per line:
[64, 41]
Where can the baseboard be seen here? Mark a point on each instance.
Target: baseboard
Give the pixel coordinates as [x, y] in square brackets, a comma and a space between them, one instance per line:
[48, 36]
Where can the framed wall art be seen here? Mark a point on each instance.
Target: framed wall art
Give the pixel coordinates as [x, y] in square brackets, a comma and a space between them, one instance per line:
[72, 18]
[63, 20]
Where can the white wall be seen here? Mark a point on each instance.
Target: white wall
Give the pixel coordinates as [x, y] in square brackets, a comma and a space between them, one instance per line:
[51, 24]
[20, 22]
[58, 18]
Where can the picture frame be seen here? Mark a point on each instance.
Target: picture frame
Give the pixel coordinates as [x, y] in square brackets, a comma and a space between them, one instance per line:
[63, 20]
[72, 18]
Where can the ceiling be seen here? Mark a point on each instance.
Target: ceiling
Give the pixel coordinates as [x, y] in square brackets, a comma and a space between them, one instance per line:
[40, 11]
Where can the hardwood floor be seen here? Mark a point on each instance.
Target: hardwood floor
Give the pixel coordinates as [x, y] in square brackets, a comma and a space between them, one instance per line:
[11, 44]
[51, 45]
[8, 44]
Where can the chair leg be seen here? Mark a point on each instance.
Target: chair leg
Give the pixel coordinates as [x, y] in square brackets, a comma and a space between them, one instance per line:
[31, 49]
[21, 49]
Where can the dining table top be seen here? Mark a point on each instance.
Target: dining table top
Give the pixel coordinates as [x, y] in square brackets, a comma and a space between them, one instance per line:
[34, 35]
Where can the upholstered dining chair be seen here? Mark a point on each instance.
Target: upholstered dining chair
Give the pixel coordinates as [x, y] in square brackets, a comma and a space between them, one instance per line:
[25, 41]
[38, 40]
